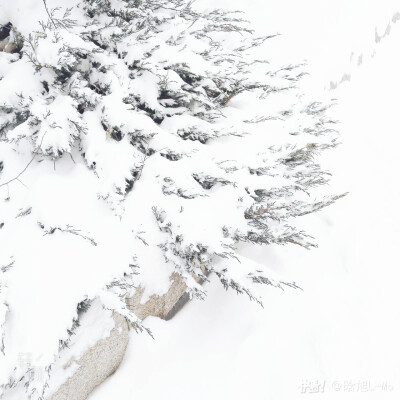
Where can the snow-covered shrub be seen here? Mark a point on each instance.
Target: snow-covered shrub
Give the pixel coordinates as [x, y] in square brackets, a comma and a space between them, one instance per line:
[147, 138]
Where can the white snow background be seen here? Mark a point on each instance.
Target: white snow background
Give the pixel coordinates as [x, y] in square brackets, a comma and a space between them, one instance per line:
[343, 328]
[342, 331]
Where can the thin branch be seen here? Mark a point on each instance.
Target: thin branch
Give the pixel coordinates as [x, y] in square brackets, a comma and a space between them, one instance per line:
[36, 152]
[69, 229]
[144, 160]
[48, 13]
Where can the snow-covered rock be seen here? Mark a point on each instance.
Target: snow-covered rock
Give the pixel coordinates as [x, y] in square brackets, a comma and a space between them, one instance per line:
[163, 306]
[96, 364]
[77, 373]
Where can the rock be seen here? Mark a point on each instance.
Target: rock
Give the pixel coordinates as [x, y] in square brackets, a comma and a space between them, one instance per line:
[7, 40]
[164, 306]
[4, 43]
[96, 364]
[103, 358]
[5, 31]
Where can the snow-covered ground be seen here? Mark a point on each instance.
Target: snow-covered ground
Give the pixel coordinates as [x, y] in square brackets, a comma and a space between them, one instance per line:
[340, 335]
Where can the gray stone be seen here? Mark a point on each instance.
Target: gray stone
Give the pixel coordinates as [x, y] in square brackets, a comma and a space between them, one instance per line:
[102, 359]
[8, 46]
[96, 364]
[158, 306]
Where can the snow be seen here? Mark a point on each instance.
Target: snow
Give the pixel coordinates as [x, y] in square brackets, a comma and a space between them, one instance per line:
[343, 326]
[342, 329]
[54, 203]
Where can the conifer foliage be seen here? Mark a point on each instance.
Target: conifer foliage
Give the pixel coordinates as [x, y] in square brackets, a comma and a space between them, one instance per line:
[196, 144]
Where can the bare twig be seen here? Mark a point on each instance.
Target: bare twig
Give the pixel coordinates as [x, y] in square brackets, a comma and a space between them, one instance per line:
[36, 152]
[69, 229]
[144, 160]
[48, 13]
